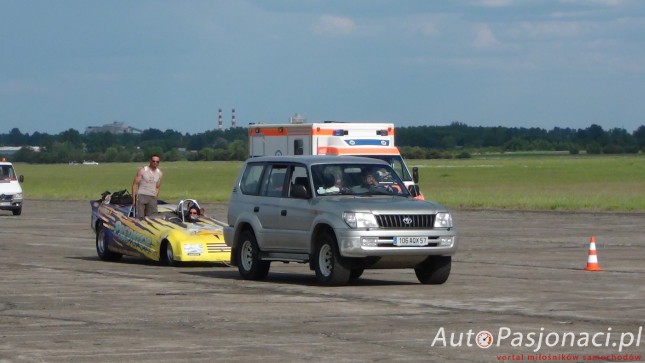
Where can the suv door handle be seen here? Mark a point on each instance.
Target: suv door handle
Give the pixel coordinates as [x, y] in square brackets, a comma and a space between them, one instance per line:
[283, 212]
[256, 209]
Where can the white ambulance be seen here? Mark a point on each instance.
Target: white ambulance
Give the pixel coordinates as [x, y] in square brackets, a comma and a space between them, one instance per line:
[375, 140]
[10, 190]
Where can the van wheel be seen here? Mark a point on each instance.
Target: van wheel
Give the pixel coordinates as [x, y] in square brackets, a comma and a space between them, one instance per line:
[328, 262]
[17, 212]
[434, 270]
[102, 247]
[248, 258]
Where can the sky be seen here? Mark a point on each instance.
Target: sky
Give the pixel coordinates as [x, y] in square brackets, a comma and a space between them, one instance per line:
[171, 65]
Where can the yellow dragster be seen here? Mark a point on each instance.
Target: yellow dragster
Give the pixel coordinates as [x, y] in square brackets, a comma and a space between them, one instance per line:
[169, 236]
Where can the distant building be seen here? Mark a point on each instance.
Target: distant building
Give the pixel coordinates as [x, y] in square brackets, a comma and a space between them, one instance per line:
[297, 119]
[10, 150]
[113, 128]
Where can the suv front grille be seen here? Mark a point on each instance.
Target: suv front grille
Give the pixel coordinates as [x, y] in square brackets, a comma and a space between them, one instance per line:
[420, 221]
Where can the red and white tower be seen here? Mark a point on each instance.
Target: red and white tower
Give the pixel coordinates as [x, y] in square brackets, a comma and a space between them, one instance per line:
[219, 119]
[233, 119]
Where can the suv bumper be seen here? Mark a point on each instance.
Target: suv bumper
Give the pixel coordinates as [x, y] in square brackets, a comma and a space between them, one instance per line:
[228, 235]
[361, 243]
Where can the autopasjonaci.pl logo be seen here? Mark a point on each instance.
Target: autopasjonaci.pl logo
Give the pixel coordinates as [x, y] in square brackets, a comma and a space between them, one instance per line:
[505, 336]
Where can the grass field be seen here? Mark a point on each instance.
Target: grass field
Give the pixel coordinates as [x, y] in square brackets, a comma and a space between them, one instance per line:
[506, 181]
[586, 183]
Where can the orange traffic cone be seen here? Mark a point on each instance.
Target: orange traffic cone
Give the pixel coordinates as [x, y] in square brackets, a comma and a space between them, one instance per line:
[592, 261]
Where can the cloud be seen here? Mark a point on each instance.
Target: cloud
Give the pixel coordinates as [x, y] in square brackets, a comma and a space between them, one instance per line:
[494, 3]
[601, 2]
[100, 77]
[333, 25]
[551, 29]
[498, 64]
[484, 37]
[19, 87]
[429, 28]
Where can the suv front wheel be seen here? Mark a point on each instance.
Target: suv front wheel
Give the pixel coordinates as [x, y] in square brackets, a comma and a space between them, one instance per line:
[434, 270]
[328, 262]
[248, 258]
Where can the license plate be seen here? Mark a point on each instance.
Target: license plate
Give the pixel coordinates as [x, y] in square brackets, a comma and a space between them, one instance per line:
[410, 241]
[5, 203]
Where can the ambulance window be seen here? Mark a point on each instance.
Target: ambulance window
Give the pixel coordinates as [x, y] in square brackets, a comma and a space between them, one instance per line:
[298, 148]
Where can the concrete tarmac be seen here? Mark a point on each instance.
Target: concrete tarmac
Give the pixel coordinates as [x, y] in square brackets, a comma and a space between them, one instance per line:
[517, 275]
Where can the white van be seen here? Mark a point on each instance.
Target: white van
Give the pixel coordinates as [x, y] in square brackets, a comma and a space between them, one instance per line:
[10, 190]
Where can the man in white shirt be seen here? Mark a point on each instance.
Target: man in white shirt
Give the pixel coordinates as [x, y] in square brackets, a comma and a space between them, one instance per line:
[146, 186]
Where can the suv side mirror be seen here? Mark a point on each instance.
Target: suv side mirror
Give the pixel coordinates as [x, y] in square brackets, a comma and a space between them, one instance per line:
[414, 190]
[299, 191]
[21, 179]
[415, 175]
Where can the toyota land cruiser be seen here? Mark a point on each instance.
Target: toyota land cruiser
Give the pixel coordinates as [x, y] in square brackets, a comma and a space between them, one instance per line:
[341, 215]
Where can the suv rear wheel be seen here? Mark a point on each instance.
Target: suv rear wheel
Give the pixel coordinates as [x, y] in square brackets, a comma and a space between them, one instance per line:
[434, 270]
[328, 262]
[248, 261]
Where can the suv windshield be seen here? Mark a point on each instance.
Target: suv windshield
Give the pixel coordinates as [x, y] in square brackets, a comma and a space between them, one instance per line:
[396, 162]
[356, 179]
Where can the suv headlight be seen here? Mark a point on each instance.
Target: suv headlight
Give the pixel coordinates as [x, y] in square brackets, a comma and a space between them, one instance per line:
[443, 220]
[360, 220]
[17, 196]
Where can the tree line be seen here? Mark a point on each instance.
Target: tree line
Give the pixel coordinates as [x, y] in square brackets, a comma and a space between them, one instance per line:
[428, 142]
[456, 140]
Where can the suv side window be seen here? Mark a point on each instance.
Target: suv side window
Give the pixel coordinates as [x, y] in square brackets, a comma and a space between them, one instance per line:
[273, 181]
[251, 179]
[299, 176]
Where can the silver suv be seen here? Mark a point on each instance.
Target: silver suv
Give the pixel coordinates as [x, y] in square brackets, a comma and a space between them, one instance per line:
[339, 214]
